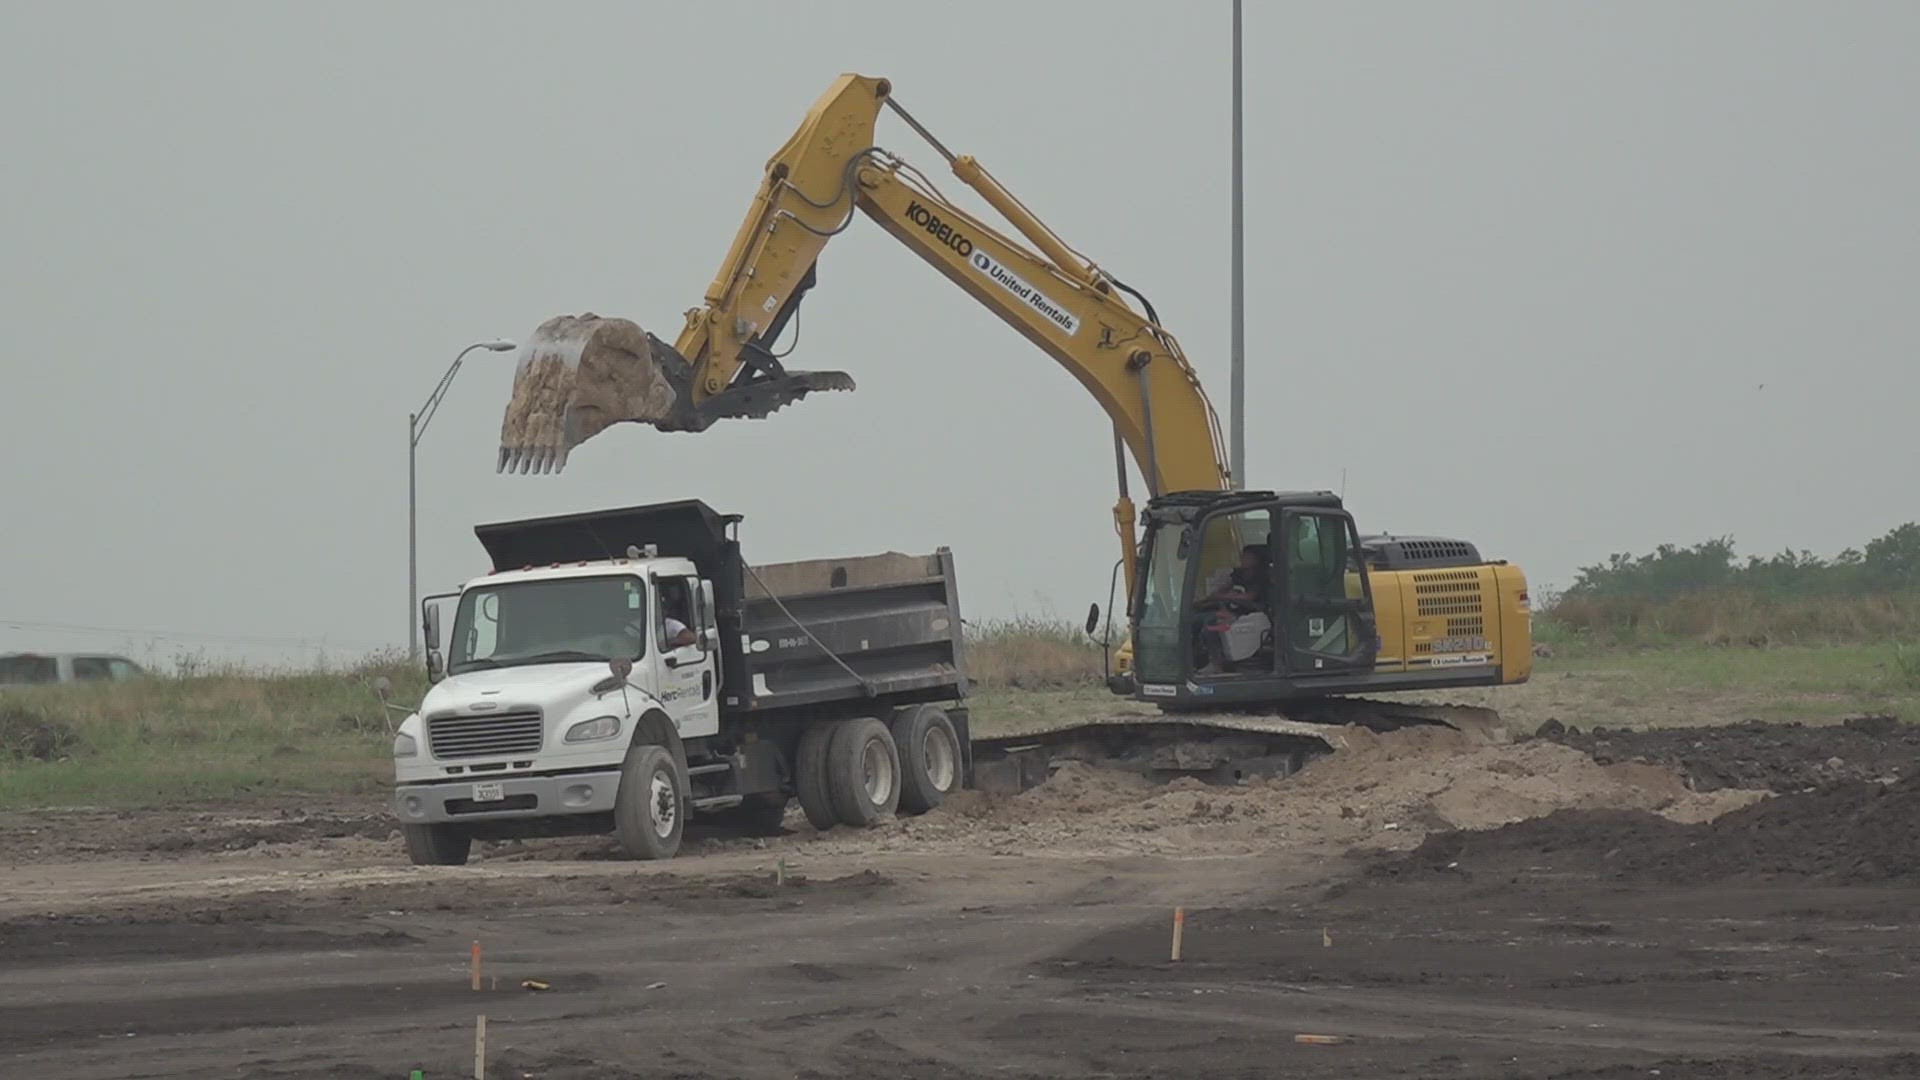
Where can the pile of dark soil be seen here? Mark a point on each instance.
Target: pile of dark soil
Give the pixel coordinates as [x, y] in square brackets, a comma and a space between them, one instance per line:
[1853, 833]
[1776, 757]
[1766, 1068]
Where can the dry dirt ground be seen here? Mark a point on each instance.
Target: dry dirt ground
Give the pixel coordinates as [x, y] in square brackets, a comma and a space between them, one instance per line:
[1730, 904]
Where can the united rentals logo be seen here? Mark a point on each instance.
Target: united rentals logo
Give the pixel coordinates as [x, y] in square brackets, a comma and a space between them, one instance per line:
[1029, 295]
[957, 242]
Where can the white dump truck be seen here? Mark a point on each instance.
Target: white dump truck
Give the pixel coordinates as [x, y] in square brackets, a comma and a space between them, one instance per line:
[620, 670]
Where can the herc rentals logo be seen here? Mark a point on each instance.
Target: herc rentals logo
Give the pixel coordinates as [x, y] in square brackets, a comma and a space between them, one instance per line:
[1030, 296]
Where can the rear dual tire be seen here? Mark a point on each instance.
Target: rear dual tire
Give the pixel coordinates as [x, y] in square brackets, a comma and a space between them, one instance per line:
[930, 761]
[863, 773]
[848, 773]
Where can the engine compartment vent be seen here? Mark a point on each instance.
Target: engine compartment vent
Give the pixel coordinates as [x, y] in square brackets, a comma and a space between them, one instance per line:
[1418, 552]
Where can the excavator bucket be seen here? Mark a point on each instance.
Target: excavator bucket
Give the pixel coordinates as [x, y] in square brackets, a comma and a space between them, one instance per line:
[577, 375]
[580, 374]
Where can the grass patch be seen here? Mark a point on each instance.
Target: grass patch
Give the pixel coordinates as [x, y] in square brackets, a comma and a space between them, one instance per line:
[204, 737]
[1697, 685]
[1728, 618]
[235, 737]
[1033, 653]
[1008, 711]
[229, 735]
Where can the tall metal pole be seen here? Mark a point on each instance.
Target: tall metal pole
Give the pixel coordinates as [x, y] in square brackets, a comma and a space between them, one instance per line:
[417, 426]
[1239, 379]
[413, 562]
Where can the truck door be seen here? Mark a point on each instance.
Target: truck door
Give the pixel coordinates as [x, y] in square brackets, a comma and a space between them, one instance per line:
[689, 674]
[1326, 606]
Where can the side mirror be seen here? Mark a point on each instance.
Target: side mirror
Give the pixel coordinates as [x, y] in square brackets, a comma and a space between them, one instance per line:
[434, 665]
[432, 619]
[1093, 619]
[710, 640]
[618, 669]
[383, 689]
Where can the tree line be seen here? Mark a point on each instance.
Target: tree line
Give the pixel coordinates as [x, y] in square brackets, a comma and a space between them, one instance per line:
[1888, 564]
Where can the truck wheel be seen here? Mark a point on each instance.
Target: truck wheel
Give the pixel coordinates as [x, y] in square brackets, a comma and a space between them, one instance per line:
[810, 775]
[863, 772]
[929, 757]
[437, 845]
[650, 810]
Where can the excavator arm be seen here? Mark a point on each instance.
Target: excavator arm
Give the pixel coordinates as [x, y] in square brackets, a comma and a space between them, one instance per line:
[578, 375]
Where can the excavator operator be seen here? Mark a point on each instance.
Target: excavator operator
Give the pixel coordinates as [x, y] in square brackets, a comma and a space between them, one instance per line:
[1243, 594]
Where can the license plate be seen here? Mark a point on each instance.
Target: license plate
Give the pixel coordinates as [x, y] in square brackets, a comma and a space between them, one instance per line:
[489, 792]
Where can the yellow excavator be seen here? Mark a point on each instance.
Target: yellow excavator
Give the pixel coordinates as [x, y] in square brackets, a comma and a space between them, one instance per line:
[1239, 603]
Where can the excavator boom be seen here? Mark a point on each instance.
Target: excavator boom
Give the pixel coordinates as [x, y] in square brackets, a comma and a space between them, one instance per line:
[578, 375]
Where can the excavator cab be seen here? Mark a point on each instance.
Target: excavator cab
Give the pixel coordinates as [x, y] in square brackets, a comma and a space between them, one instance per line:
[1252, 600]
[1249, 596]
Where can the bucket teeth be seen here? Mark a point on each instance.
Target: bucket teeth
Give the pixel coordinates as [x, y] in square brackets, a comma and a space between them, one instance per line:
[537, 460]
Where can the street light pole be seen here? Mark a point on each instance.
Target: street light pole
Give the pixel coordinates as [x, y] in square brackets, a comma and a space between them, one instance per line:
[416, 427]
[1239, 353]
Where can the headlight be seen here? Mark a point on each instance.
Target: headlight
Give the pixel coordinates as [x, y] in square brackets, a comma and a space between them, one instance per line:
[605, 727]
[404, 746]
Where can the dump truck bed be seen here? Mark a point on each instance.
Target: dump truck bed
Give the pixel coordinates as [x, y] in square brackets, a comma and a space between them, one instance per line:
[876, 627]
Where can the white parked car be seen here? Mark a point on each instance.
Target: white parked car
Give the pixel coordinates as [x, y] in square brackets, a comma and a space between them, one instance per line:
[26, 669]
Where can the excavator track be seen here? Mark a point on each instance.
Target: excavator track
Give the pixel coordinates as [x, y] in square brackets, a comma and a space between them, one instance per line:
[1213, 747]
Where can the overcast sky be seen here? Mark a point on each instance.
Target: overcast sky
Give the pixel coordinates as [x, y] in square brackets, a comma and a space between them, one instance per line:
[1562, 279]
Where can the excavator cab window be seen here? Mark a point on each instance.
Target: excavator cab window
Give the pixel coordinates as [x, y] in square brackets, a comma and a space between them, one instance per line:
[1161, 607]
[1327, 610]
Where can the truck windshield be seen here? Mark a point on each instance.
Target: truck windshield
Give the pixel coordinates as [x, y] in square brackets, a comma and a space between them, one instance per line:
[1157, 646]
[549, 622]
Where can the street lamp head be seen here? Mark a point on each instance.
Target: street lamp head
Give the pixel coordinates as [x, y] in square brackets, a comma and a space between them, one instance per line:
[499, 345]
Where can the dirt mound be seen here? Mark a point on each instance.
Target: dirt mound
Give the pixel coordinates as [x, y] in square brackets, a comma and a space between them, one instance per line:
[1383, 790]
[1854, 833]
[1777, 757]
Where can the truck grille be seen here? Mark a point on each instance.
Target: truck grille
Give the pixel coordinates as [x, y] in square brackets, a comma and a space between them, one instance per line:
[484, 736]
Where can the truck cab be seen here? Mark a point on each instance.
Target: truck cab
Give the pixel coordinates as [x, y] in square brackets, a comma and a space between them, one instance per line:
[527, 713]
